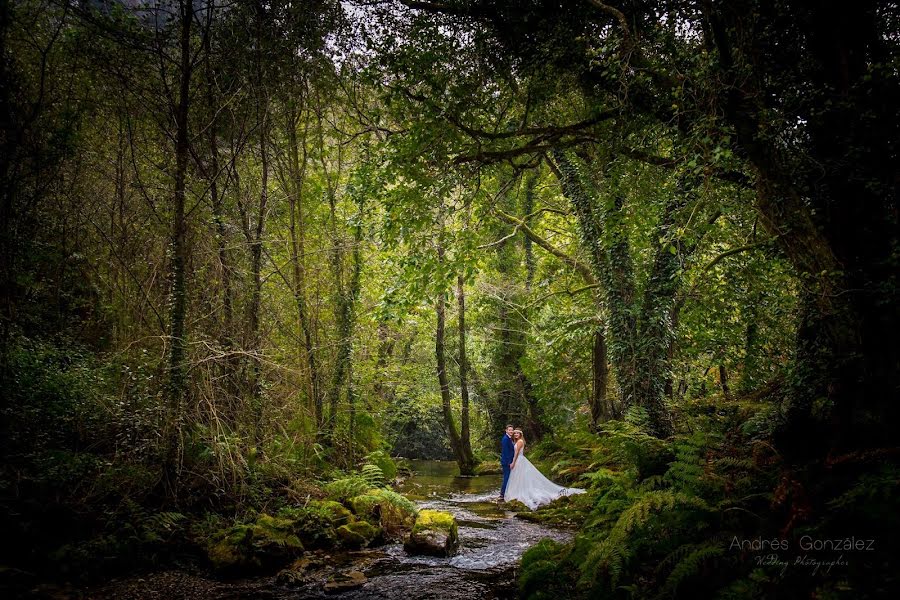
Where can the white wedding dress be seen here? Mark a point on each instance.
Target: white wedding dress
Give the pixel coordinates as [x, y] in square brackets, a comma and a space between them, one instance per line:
[528, 486]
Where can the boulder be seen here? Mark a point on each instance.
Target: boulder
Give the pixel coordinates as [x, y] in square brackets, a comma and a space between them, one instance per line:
[435, 533]
[390, 511]
[488, 467]
[337, 513]
[357, 534]
[313, 524]
[268, 542]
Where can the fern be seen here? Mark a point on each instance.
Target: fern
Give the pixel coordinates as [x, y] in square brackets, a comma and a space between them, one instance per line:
[372, 475]
[159, 525]
[691, 564]
[614, 551]
[347, 487]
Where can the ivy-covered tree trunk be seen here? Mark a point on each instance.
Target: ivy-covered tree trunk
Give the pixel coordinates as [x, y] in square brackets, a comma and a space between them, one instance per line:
[297, 230]
[464, 431]
[512, 398]
[177, 384]
[641, 331]
[465, 462]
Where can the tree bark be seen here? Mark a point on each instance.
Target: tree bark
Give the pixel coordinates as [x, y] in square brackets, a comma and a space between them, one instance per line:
[465, 435]
[297, 229]
[601, 410]
[465, 466]
[177, 370]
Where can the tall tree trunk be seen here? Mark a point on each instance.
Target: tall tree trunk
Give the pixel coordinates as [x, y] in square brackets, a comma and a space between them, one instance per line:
[298, 262]
[177, 383]
[346, 293]
[465, 435]
[254, 235]
[465, 467]
[601, 410]
[226, 335]
[642, 329]
[527, 209]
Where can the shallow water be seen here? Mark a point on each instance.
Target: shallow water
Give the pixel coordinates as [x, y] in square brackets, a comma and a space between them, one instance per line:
[492, 541]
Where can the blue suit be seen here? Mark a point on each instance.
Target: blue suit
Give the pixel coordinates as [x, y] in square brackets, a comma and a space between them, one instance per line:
[507, 452]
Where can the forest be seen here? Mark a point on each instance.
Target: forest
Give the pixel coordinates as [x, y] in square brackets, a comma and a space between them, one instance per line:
[276, 275]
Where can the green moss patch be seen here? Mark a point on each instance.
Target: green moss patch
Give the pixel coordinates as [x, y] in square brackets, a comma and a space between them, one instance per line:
[357, 534]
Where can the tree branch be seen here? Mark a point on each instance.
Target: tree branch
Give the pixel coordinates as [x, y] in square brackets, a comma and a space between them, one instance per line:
[579, 266]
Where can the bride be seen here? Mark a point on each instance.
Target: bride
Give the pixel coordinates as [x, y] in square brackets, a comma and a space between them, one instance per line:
[527, 485]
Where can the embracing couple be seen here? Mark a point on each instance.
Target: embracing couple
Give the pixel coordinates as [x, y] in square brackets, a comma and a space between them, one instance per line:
[521, 479]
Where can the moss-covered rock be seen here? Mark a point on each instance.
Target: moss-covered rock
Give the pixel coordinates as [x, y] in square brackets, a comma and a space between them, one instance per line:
[358, 534]
[336, 512]
[268, 542]
[232, 549]
[365, 507]
[386, 509]
[275, 539]
[434, 533]
[313, 524]
[488, 467]
[515, 505]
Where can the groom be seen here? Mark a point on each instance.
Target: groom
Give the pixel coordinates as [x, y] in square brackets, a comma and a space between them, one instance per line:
[507, 450]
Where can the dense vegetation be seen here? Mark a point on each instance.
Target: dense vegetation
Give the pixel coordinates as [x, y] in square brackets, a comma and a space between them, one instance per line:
[250, 250]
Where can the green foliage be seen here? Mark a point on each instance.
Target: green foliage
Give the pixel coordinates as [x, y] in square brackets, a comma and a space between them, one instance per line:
[384, 462]
[341, 490]
[544, 573]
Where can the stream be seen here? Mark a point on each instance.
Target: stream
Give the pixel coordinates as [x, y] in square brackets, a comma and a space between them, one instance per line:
[492, 541]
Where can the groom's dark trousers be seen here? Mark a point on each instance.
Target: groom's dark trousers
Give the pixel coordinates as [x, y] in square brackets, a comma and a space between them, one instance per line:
[507, 450]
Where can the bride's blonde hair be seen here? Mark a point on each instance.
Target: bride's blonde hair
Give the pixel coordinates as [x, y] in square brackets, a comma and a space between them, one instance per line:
[521, 434]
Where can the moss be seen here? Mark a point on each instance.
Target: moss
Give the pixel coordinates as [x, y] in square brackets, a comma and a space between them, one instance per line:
[436, 519]
[357, 534]
[232, 550]
[488, 467]
[386, 509]
[365, 506]
[312, 524]
[435, 533]
[269, 541]
[276, 531]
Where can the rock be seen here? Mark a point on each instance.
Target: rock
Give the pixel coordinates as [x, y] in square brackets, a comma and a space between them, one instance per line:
[232, 550]
[390, 511]
[337, 513]
[268, 542]
[302, 571]
[313, 523]
[275, 539]
[515, 506]
[488, 468]
[341, 582]
[357, 534]
[435, 533]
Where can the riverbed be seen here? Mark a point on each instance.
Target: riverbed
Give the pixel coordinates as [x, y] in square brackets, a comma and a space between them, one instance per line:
[492, 541]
